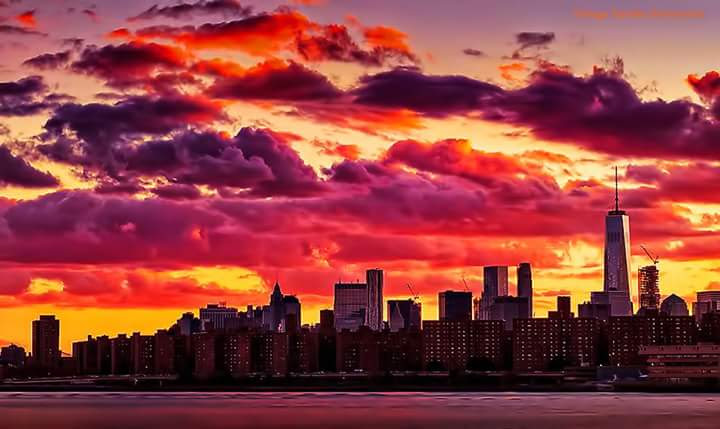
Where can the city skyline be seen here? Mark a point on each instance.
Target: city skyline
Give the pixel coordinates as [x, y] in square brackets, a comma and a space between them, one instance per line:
[157, 158]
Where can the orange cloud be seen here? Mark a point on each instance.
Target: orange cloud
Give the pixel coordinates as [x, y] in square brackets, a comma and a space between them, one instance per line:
[507, 70]
[387, 38]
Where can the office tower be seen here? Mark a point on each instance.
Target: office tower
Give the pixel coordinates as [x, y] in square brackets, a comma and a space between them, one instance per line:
[563, 310]
[217, 314]
[707, 301]
[277, 308]
[291, 313]
[350, 305]
[509, 308]
[617, 258]
[403, 314]
[455, 305]
[374, 283]
[495, 284]
[525, 286]
[673, 305]
[13, 355]
[495, 281]
[648, 287]
[46, 341]
[553, 344]
[618, 302]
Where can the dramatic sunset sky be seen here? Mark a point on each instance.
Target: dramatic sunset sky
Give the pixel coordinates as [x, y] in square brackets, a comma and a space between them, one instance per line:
[157, 157]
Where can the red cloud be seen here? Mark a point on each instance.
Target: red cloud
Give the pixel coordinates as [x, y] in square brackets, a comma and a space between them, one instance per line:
[270, 34]
[707, 86]
[27, 19]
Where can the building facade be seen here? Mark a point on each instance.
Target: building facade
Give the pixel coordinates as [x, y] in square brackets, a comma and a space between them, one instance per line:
[374, 281]
[454, 305]
[350, 305]
[649, 287]
[404, 314]
[525, 285]
[46, 341]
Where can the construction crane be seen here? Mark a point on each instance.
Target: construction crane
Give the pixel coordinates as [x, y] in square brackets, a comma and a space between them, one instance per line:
[655, 260]
[465, 283]
[415, 296]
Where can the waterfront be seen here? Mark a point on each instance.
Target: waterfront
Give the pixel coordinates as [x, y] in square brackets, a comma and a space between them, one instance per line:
[66, 410]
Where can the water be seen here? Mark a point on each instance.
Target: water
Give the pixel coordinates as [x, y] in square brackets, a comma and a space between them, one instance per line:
[359, 410]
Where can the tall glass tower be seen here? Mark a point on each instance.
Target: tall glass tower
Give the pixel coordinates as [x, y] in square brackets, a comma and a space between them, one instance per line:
[617, 254]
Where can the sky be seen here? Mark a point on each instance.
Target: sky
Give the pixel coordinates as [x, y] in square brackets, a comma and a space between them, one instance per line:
[156, 157]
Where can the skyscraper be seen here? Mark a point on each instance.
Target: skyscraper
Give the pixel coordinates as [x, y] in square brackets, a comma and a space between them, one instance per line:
[524, 285]
[277, 308]
[350, 305]
[217, 314]
[46, 341]
[403, 314]
[648, 287]
[617, 257]
[495, 284]
[292, 314]
[375, 298]
[455, 305]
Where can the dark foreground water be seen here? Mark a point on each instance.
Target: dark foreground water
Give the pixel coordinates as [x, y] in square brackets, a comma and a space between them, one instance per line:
[358, 410]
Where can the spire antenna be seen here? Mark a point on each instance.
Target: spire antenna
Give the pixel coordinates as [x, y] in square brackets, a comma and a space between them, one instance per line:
[617, 199]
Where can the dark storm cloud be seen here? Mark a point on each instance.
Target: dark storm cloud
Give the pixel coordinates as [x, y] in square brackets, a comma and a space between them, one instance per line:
[49, 61]
[227, 8]
[437, 96]
[268, 81]
[18, 172]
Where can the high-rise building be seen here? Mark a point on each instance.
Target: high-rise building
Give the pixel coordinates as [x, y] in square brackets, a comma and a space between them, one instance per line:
[188, 324]
[217, 314]
[617, 257]
[648, 287]
[350, 305]
[403, 314]
[495, 284]
[291, 313]
[121, 355]
[495, 281]
[142, 353]
[525, 286]
[618, 302]
[455, 305]
[374, 281]
[563, 310]
[509, 308]
[13, 355]
[707, 301]
[46, 341]
[673, 305]
[277, 308]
